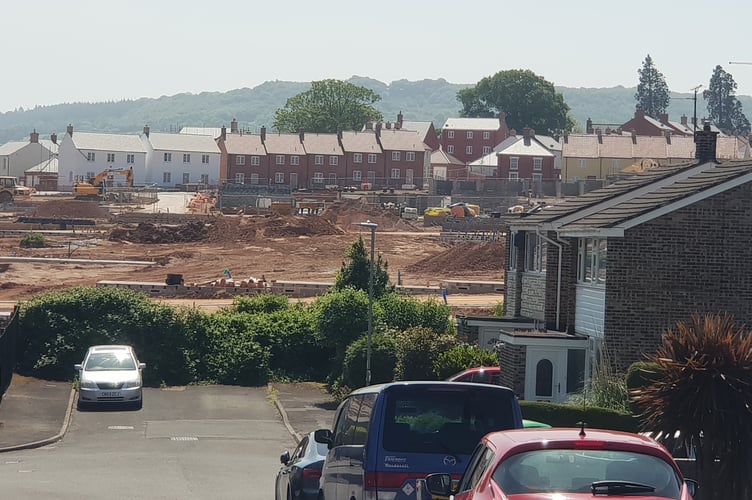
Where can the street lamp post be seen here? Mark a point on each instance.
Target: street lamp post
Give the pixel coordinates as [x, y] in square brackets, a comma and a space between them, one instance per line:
[372, 226]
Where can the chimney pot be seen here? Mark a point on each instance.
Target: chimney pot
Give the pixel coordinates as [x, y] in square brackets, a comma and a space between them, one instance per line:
[301, 134]
[146, 130]
[69, 130]
[223, 133]
[234, 126]
[34, 136]
[263, 134]
[53, 138]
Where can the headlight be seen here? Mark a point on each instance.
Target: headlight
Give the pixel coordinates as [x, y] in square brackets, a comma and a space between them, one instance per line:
[87, 384]
[132, 384]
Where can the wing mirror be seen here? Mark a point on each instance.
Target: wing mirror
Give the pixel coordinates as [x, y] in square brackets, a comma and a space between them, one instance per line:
[439, 484]
[78, 367]
[284, 458]
[692, 486]
[324, 436]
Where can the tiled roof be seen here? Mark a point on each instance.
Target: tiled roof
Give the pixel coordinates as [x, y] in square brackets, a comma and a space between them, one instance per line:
[489, 160]
[646, 146]
[422, 128]
[441, 157]
[402, 140]
[360, 142]
[246, 144]
[580, 146]
[517, 147]
[108, 142]
[283, 144]
[183, 142]
[548, 142]
[322, 144]
[472, 124]
[212, 131]
[11, 147]
[47, 166]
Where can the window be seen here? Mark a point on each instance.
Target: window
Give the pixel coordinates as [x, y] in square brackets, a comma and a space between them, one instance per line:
[450, 134]
[410, 156]
[166, 177]
[535, 253]
[205, 159]
[280, 159]
[538, 164]
[481, 459]
[468, 150]
[469, 134]
[240, 160]
[450, 149]
[205, 179]
[486, 135]
[318, 160]
[357, 175]
[333, 161]
[514, 176]
[371, 177]
[91, 156]
[592, 261]
[89, 175]
[395, 173]
[583, 163]
[186, 158]
[514, 250]
[537, 177]
[514, 163]
[617, 164]
[254, 178]
[318, 177]
[167, 157]
[357, 157]
[186, 178]
[333, 179]
[486, 150]
[239, 178]
[255, 161]
[110, 157]
[295, 160]
[279, 177]
[371, 158]
[396, 155]
[130, 158]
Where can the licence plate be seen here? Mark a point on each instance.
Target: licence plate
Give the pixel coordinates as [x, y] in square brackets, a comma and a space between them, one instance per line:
[111, 394]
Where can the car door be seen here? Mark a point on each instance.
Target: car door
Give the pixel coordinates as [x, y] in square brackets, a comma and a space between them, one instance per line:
[476, 470]
[285, 476]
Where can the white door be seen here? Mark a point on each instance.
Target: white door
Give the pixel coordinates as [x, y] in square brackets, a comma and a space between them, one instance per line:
[294, 180]
[546, 375]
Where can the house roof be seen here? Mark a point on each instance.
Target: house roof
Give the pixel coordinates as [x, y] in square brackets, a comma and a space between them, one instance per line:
[472, 124]
[402, 140]
[647, 146]
[489, 160]
[360, 142]
[322, 144]
[283, 144]
[548, 142]
[212, 131]
[108, 142]
[422, 128]
[11, 147]
[515, 145]
[183, 142]
[245, 144]
[48, 167]
[637, 199]
[441, 157]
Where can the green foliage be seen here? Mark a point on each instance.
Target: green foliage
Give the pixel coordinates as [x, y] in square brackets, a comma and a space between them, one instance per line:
[341, 317]
[418, 349]
[652, 92]
[527, 99]
[607, 389]
[642, 374]
[400, 312]
[357, 272]
[262, 303]
[328, 107]
[461, 357]
[568, 415]
[499, 309]
[705, 393]
[723, 107]
[383, 360]
[33, 240]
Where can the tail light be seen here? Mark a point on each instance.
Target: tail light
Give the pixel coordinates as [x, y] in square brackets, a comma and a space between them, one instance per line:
[309, 473]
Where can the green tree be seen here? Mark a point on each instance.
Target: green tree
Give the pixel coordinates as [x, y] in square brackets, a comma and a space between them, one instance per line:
[356, 273]
[704, 391]
[328, 107]
[652, 92]
[527, 99]
[723, 107]
[417, 351]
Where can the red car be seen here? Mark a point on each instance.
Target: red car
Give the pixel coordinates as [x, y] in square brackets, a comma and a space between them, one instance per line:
[479, 375]
[566, 464]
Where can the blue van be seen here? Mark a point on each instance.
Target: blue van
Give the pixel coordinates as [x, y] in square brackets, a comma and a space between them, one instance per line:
[385, 437]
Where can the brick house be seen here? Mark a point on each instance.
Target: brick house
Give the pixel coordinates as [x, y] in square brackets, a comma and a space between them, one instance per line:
[468, 139]
[325, 160]
[523, 157]
[287, 159]
[406, 158]
[601, 276]
[426, 131]
[243, 158]
[364, 158]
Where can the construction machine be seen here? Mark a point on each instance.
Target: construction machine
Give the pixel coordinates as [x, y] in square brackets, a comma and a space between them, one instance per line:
[96, 187]
[10, 189]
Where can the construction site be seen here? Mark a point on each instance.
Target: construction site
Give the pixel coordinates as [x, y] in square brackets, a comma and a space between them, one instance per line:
[193, 246]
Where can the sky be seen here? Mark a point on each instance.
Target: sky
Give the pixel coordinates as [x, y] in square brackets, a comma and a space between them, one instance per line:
[109, 50]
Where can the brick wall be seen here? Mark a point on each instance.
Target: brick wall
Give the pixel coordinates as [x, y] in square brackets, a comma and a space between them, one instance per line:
[695, 260]
[512, 360]
[568, 284]
[533, 296]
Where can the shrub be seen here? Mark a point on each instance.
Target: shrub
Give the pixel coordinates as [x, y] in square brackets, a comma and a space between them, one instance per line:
[262, 303]
[383, 360]
[461, 357]
[499, 309]
[401, 312]
[568, 415]
[340, 318]
[417, 351]
[640, 375]
[33, 240]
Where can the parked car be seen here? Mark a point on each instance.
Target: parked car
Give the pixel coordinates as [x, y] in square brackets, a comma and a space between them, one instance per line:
[479, 374]
[566, 463]
[110, 374]
[299, 476]
[386, 437]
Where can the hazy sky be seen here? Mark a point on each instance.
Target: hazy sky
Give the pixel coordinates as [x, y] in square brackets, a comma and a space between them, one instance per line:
[98, 50]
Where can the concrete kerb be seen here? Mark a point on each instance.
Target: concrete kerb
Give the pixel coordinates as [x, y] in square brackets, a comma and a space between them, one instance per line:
[283, 413]
[53, 439]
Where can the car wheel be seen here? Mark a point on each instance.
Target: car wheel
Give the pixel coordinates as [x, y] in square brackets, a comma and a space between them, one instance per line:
[80, 405]
[138, 404]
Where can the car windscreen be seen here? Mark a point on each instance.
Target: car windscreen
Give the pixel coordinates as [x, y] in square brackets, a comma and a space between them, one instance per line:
[572, 471]
[420, 420]
[101, 361]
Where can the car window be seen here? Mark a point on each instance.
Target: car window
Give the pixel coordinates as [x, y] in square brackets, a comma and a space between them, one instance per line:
[300, 450]
[100, 361]
[477, 466]
[342, 423]
[571, 471]
[365, 410]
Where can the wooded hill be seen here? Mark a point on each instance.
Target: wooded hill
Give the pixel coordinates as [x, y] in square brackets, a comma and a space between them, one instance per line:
[422, 100]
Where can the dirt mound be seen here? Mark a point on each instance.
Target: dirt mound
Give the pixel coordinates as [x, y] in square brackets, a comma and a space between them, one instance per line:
[311, 225]
[152, 234]
[72, 209]
[233, 229]
[347, 213]
[464, 257]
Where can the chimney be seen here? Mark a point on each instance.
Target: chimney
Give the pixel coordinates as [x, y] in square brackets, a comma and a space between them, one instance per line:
[388, 125]
[369, 125]
[234, 126]
[664, 118]
[684, 120]
[223, 133]
[34, 136]
[639, 113]
[301, 134]
[705, 142]
[263, 134]
[634, 137]
[146, 130]
[378, 129]
[339, 134]
[566, 139]
[53, 138]
[399, 120]
[502, 119]
[69, 130]
[600, 136]
[667, 133]
[526, 136]
[589, 126]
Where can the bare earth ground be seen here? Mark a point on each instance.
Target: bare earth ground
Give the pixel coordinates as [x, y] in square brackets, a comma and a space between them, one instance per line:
[300, 248]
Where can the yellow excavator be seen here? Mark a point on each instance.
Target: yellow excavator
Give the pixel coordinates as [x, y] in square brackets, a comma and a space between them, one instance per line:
[96, 187]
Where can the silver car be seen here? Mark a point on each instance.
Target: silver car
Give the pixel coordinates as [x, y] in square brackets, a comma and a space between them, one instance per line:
[110, 374]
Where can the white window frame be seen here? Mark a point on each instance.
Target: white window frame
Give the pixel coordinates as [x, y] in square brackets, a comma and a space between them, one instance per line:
[410, 156]
[583, 163]
[450, 134]
[167, 157]
[469, 134]
[166, 177]
[396, 155]
[280, 160]
[357, 157]
[318, 177]
[371, 158]
[204, 179]
[535, 253]
[538, 164]
[255, 161]
[357, 175]
[468, 150]
[450, 149]
[186, 158]
[279, 177]
[537, 177]
[254, 178]
[204, 159]
[239, 178]
[186, 178]
[486, 135]
[91, 156]
[110, 157]
[592, 261]
[514, 163]
[486, 150]
[333, 161]
[514, 176]
[294, 160]
[318, 159]
[395, 173]
[240, 160]
[130, 159]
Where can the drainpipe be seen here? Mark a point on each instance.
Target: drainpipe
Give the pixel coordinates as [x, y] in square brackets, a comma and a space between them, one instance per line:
[558, 278]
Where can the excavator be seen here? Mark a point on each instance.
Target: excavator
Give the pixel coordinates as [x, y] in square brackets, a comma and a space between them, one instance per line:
[96, 187]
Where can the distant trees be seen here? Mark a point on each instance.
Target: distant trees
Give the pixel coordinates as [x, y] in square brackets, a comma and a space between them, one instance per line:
[527, 99]
[328, 107]
[652, 92]
[723, 107]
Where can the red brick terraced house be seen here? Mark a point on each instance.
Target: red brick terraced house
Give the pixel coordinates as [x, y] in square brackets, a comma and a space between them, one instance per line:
[325, 160]
[243, 158]
[287, 159]
[364, 158]
[406, 158]
[524, 157]
[468, 139]
[601, 276]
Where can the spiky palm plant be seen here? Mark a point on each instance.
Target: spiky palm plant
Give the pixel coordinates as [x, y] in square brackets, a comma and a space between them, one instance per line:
[706, 393]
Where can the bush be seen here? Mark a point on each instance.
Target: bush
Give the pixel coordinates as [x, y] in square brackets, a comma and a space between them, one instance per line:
[33, 240]
[233, 356]
[401, 312]
[569, 415]
[461, 357]
[639, 376]
[417, 351]
[383, 360]
[262, 303]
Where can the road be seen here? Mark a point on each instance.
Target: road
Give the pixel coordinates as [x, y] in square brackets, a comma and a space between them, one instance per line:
[208, 442]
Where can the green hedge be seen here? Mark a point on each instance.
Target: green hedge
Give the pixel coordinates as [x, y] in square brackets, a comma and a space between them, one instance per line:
[562, 415]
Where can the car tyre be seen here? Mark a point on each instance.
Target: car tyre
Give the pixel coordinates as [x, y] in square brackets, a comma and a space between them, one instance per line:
[138, 404]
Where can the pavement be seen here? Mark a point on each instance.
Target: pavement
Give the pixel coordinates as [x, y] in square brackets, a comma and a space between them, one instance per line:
[36, 412]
